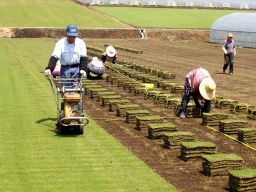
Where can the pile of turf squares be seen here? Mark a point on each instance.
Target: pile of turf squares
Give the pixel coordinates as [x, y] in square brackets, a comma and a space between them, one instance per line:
[230, 126]
[173, 140]
[158, 130]
[220, 164]
[247, 135]
[242, 180]
[195, 150]
[143, 121]
[213, 119]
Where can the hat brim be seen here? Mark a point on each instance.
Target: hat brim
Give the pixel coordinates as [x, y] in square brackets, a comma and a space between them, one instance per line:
[72, 34]
[110, 54]
[206, 94]
[110, 51]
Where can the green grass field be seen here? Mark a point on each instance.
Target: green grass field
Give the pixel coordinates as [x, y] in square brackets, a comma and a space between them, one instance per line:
[165, 17]
[33, 157]
[49, 13]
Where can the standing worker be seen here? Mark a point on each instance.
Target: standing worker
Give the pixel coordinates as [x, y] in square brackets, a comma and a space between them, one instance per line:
[109, 52]
[72, 53]
[200, 85]
[229, 48]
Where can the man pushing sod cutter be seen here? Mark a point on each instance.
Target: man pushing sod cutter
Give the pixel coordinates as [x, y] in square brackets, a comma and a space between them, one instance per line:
[68, 92]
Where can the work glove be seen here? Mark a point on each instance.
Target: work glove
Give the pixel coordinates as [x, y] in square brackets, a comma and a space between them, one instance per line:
[83, 73]
[47, 72]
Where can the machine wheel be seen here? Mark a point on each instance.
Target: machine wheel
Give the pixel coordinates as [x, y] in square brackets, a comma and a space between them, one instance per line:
[61, 130]
[80, 129]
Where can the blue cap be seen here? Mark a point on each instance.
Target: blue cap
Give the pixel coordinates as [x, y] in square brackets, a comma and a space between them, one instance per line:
[72, 30]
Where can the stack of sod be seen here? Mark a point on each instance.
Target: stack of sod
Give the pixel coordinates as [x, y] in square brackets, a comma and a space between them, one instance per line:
[140, 90]
[225, 103]
[94, 91]
[113, 103]
[252, 113]
[133, 85]
[177, 108]
[151, 94]
[247, 135]
[193, 112]
[161, 98]
[131, 115]
[230, 126]
[114, 79]
[106, 98]
[155, 71]
[168, 75]
[133, 74]
[171, 102]
[142, 76]
[154, 80]
[239, 107]
[195, 150]
[122, 108]
[242, 180]
[177, 89]
[213, 119]
[88, 87]
[174, 140]
[169, 86]
[143, 121]
[220, 164]
[129, 83]
[161, 82]
[103, 93]
[120, 82]
[216, 98]
[157, 130]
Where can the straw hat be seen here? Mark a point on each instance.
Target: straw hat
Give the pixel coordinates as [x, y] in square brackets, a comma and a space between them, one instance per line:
[207, 88]
[230, 35]
[95, 59]
[110, 51]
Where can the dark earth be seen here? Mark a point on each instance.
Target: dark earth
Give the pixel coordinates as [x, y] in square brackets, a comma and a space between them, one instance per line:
[180, 57]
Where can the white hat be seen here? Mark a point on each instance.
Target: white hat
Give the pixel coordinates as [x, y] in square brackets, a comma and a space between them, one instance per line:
[110, 51]
[207, 88]
[95, 59]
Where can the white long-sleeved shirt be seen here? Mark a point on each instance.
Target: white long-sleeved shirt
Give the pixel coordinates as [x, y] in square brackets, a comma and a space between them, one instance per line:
[70, 54]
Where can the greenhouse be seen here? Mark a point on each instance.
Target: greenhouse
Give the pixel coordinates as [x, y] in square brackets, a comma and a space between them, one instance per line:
[242, 25]
[245, 4]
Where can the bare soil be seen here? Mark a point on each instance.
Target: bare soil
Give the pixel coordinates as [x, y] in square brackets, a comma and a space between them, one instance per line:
[180, 58]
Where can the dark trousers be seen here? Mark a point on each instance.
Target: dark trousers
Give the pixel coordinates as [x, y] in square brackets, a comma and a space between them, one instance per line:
[229, 61]
[186, 98]
[104, 58]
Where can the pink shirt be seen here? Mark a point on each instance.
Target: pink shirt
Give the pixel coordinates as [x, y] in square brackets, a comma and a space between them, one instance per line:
[195, 77]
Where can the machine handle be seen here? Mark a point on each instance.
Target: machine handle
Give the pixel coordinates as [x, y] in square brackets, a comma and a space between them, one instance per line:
[74, 118]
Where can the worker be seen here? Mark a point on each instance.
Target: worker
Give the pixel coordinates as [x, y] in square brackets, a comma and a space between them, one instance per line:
[200, 85]
[229, 49]
[109, 52]
[96, 67]
[72, 53]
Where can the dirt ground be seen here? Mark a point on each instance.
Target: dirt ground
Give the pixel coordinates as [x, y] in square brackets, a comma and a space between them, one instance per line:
[180, 58]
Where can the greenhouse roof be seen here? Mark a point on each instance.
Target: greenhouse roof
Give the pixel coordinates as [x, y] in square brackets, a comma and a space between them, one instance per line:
[236, 22]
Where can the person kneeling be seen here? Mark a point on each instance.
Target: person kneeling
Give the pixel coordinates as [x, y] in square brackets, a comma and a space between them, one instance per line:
[96, 67]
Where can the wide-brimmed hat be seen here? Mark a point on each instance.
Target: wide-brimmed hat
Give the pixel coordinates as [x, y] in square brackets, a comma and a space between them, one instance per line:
[72, 30]
[110, 51]
[230, 35]
[207, 88]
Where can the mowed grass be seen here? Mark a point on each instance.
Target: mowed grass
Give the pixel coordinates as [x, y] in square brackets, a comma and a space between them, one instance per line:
[34, 158]
[51, 13]
[166, 17]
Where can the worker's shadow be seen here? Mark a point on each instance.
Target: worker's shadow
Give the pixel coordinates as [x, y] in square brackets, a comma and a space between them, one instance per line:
[47, 121]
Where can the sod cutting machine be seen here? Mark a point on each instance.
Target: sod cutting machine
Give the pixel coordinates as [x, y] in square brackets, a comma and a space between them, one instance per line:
[68, 95]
